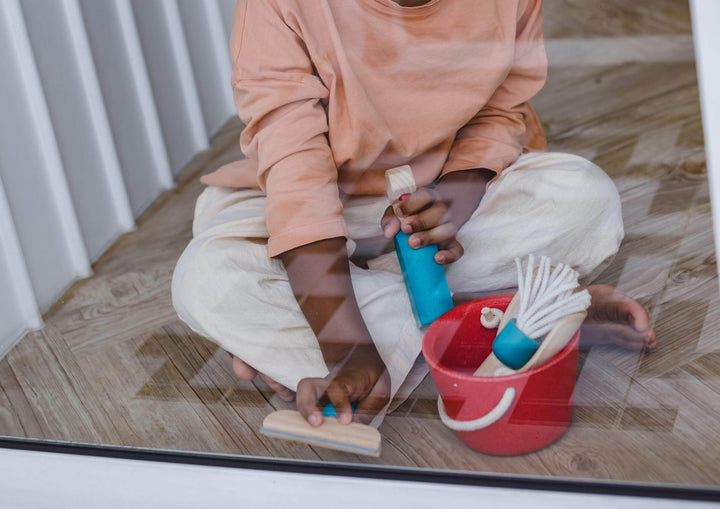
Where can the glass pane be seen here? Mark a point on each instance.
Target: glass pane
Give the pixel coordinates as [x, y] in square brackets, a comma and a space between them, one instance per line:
[116, 365]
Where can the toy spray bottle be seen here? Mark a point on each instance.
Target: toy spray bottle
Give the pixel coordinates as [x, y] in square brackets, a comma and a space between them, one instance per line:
[424, 278]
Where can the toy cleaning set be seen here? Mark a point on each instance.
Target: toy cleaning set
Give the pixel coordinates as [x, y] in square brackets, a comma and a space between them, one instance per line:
[504, 366]
[508, 391]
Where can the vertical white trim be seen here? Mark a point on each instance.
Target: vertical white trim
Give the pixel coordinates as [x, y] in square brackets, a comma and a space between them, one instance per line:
[128, 98]
[78, 116]
[140, 75]
[210, 58]
[168, 64]
[88, 74]
[705, 17]
[45, 137]
[32, 171]
[18, 310]
[179, 44]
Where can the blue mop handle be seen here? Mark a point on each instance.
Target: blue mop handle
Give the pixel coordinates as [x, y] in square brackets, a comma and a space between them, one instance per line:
[512, 347]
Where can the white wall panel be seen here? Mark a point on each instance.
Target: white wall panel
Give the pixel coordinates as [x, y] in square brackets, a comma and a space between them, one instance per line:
[168, 63]
[18, 310]
[129, 101]
[80, 123]
[210, 58]
[31, 169]
[101, 102]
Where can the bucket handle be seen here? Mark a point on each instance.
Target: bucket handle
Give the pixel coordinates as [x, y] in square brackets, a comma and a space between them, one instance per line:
[483, 422]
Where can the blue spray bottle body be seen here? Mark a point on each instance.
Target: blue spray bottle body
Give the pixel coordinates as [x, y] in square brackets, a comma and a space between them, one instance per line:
[425, 279]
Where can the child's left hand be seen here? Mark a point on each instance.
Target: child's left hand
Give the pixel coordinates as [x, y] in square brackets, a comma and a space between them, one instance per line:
[426, 217]
[362, 379]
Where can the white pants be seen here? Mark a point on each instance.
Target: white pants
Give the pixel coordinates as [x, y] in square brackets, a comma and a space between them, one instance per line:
[227, 289]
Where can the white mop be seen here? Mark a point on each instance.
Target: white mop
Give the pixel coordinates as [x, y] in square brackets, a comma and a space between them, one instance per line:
[540, 320]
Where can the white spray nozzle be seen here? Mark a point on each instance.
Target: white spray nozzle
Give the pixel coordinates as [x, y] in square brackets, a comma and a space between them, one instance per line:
[399, 181]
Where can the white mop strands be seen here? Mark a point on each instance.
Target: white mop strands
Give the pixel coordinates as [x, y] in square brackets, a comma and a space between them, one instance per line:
[544, 297]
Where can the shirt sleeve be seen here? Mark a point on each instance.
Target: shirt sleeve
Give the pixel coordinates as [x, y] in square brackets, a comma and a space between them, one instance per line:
[279, 98]
[497, 135]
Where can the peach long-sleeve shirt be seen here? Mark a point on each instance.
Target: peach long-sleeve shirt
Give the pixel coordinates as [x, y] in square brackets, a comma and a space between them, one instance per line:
[335, 92]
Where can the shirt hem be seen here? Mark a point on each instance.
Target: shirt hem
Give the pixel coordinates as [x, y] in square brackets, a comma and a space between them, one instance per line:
[301, 236]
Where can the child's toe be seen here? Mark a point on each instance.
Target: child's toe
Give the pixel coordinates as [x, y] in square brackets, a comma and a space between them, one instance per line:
[242, 370]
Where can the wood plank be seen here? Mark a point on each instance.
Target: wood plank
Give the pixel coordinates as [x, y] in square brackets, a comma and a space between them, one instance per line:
[634, 456]
[207, 381]
[102, 307]
[61, 399]
[624, 114]
[18, 419]
[587, 19]
[165, 419]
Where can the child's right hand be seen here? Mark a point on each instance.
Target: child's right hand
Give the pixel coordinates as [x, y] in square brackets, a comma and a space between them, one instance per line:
[427, 218]
[434, 216]
[362, 379]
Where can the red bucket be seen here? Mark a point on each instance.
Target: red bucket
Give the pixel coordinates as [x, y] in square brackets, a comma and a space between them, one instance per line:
[507, 415]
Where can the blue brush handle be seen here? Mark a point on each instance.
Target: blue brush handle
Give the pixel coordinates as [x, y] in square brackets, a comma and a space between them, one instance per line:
[425, 280]
[512, 347]
[329, 410]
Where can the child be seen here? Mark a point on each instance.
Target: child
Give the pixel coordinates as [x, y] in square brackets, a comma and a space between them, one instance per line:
[333, 93]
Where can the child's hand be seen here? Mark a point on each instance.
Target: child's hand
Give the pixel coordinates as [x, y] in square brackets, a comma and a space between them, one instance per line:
[426, 217]
[362, 379]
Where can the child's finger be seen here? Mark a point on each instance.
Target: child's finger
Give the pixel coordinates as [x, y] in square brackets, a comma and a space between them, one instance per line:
[450, 253]
[338, 396]
[439, 235]
[309, 392]
[374, 402]
[390, 223]
[416, 202]
[427, 219]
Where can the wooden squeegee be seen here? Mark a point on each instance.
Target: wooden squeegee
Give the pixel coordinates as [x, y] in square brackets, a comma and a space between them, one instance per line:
[353, 437]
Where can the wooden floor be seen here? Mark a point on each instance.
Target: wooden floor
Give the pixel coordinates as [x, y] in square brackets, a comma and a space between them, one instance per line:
[115, 366]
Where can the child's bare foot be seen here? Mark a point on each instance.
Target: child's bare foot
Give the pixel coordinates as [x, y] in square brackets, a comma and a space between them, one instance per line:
[615, 318]
[246, 372]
